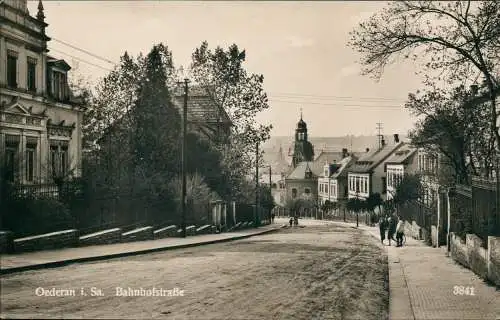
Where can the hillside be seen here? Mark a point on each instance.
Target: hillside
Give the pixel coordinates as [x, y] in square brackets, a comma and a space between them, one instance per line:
[352, 143]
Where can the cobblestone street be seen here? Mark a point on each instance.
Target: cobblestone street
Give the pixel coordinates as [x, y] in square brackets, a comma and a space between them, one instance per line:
[315, 272]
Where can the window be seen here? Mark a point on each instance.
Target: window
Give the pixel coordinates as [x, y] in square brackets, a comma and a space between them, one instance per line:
[384, 186]
[31, 76]
[12, 69]
[30, 161]
[357, 184]
[307, 191]
[301, 136]
[11, 157]
[294, 193]
[59, 160]
[59, 85]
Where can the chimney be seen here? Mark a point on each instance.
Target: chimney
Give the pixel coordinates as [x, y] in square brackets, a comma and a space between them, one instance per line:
[382, 142]
[396, 138]
[473, 89]
[344, 153]
[367, 149]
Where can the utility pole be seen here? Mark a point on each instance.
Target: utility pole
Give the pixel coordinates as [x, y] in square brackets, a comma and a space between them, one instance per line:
[183, 152]
[256, 182]
[379, 129]
[270, 194]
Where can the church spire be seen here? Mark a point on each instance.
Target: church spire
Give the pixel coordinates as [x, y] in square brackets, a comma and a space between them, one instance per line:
[300, 113]
[40, 15]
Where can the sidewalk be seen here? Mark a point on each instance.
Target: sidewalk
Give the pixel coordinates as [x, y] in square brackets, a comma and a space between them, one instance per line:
[10, 263]
[422, 281]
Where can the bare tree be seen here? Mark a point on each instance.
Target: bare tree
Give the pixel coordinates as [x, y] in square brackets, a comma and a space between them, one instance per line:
[461, 39]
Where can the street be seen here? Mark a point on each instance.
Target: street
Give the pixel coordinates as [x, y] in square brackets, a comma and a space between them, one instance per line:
[314, 272]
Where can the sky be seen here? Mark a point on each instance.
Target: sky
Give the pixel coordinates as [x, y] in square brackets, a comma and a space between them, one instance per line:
[299, 47]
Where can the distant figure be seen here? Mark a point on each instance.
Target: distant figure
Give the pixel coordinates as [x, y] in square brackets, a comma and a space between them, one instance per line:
[392, 228]
[400, 230]
[296, 221]
[291, 221]
[382, 224]
[272, 217]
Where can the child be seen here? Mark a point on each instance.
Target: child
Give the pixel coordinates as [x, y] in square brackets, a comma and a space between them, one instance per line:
[400, 230]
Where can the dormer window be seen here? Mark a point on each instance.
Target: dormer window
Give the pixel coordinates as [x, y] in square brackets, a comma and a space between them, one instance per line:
[59, 85]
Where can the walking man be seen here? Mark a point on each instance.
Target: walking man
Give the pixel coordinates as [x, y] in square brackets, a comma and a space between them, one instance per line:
[382, 224]
[392, 228]
[400, 229]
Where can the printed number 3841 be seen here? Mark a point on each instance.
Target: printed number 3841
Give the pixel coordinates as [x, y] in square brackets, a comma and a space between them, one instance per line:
[463, 291]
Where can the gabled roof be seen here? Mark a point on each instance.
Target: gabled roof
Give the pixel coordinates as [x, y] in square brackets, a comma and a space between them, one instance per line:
[60, 63]
[300, 171]
[202, 107]
[325, 157]
[370, 160]
[343, 167]
[402, 155]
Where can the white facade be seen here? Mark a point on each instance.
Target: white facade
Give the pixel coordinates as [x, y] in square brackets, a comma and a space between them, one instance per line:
[395, 173]
[40, 127]
[358, 185]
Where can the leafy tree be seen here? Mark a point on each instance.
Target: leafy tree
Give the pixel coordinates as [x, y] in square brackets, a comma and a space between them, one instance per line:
[454, 128]
[241, 94]
[460, 39]
[198, 197]
[409, 189]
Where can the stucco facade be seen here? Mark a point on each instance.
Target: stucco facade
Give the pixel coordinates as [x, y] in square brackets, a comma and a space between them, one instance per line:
[40, 122]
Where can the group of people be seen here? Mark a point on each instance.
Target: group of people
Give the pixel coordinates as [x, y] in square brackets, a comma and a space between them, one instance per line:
[294, 221]
[393, 225]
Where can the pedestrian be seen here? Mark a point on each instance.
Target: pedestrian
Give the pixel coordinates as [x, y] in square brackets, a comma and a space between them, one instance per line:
[291, 221]
[272, 217]
[392, 228]
[382, 224]
[296, 221]
[400, 229]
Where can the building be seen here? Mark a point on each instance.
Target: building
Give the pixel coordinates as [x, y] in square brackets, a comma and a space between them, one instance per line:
[302, 183]
[205, 115]
[332, 184]
[400, 163]
[368, 174]
[303, 150]
[40, 120]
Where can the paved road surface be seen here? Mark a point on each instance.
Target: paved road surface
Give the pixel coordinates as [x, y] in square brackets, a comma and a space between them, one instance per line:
[315, 272]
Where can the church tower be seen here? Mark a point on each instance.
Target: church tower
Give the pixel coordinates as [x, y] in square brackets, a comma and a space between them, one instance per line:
[303, 149]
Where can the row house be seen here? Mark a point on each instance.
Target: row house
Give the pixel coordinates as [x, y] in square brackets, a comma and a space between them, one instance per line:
[40, 120]
[368, 174]
[332, 184]
[399, 164]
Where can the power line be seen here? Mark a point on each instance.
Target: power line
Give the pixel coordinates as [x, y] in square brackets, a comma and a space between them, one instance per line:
[80, 59]
[84, 51]
[340, 104]
[300, 95]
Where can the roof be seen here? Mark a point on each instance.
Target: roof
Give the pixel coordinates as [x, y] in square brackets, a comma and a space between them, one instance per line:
[328, 157]
[344, 164]
[370, 160]
[202, 107]
[402, 155]
[300, 171]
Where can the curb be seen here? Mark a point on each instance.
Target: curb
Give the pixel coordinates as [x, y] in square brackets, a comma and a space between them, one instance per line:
[62, 263]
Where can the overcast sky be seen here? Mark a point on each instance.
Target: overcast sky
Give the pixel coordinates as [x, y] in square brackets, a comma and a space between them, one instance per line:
[299, 47]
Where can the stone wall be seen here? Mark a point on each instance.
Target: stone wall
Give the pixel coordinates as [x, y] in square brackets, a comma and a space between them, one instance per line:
[191, 231]
[170, 231]
[101, 237]
[206, 229]
[478, 261]
[459, 251]
[6, 244]
[493, 256]
[141, 234]
[60, 239]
